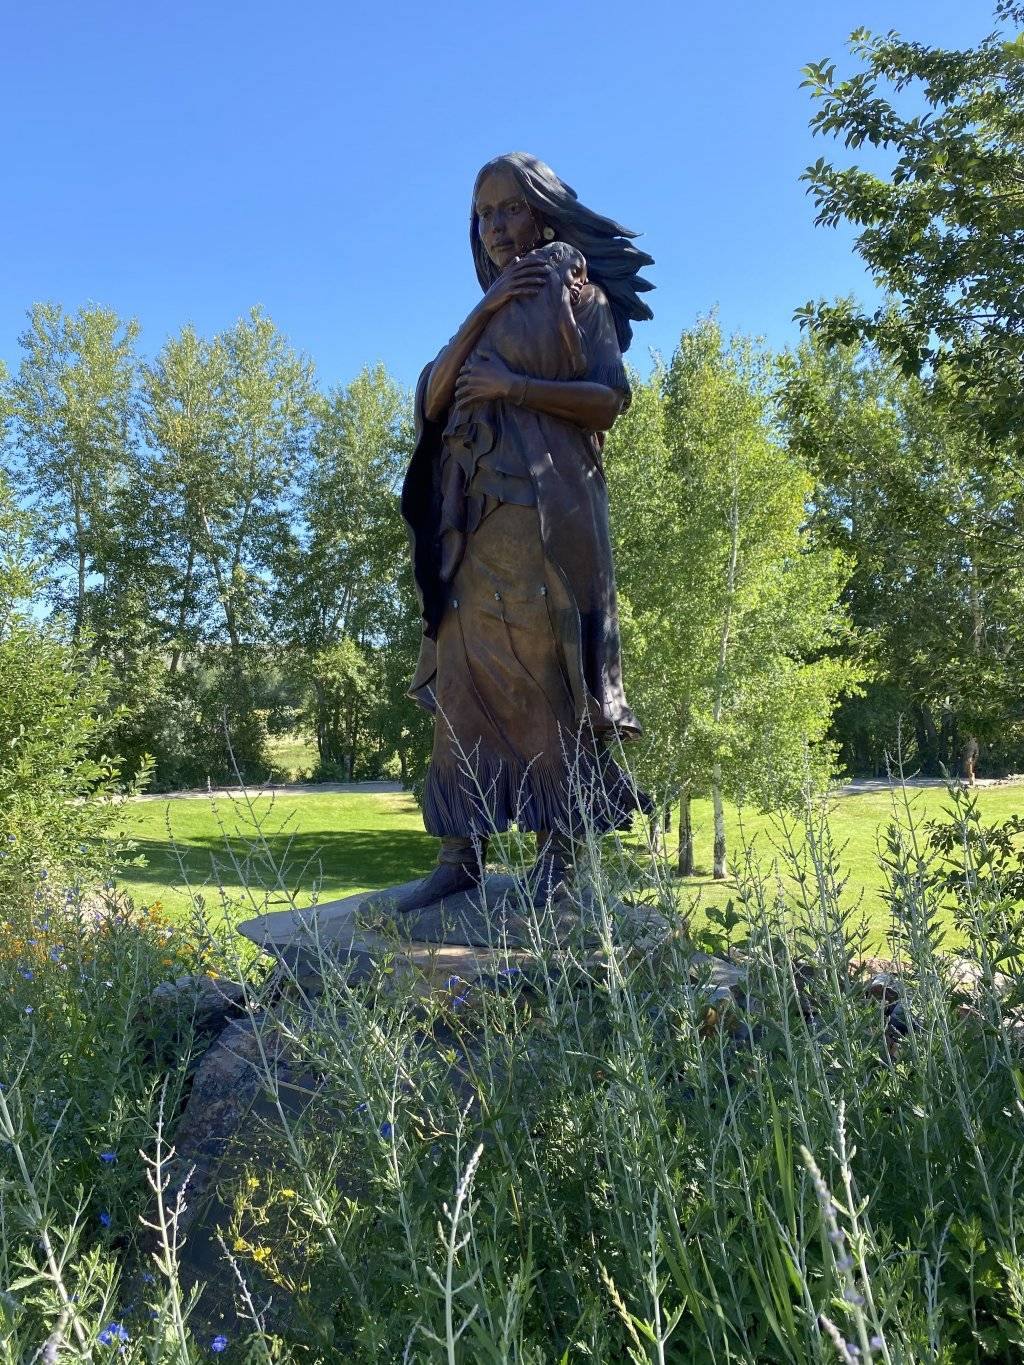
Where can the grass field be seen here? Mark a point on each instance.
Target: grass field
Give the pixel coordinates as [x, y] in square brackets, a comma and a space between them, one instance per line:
[337, 843]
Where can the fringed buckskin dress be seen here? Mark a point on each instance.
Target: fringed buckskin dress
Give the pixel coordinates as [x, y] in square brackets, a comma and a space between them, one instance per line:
[520, 663]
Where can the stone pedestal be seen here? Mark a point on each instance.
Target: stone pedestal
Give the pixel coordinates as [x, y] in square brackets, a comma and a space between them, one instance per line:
[470, 935]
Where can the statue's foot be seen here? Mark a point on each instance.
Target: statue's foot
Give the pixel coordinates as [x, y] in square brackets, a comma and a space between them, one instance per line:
[447, 879]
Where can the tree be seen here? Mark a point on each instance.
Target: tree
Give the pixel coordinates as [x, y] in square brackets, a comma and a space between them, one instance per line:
[73, 405]
[735, 635]
[228, 421]
[899, 489]
[183, 418]
[53, 716]
[338, 606]
[941, 233]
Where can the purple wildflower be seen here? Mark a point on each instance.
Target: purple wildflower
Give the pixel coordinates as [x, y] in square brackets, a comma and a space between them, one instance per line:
[105, 1218]
[108, 1157]
[386, 1130]
[219, 1343]
[113, 1332]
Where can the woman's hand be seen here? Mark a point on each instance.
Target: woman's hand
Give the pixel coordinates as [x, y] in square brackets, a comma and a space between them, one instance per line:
[523, 278]
[484, 377]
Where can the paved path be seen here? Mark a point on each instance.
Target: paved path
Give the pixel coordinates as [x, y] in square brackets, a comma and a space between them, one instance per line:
[882, 784]
[287, 789]
[857, 787]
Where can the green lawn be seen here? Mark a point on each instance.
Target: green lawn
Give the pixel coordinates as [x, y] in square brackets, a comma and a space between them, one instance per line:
[353, 841]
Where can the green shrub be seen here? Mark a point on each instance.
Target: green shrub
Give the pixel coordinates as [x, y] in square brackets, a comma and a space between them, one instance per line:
[55, 809]
[627, 1161]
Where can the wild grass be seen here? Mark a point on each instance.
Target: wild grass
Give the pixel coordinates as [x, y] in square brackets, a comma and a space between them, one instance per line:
[627, 1156]
[343, 842]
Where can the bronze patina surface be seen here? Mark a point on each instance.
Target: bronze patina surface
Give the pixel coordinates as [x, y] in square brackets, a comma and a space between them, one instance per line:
[507, 508]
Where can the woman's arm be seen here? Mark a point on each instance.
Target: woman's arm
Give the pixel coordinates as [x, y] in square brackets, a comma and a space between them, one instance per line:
[590, 405]
[521, 279]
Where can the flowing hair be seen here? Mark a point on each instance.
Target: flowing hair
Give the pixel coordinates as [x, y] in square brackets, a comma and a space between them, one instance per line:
[612, 260]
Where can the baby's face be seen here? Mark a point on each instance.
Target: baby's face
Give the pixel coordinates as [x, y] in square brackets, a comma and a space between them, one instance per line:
[569, 265]
[574, 274]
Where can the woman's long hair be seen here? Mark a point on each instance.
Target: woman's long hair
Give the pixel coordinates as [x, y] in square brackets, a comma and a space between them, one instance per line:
[612, 261]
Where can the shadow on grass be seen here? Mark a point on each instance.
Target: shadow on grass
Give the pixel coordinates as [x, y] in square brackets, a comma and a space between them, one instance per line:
[335, 858]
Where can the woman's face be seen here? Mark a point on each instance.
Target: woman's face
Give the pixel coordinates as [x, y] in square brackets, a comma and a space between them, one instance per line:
[505, 220]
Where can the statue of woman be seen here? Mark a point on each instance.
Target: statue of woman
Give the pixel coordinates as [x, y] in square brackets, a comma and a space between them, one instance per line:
[507, 508]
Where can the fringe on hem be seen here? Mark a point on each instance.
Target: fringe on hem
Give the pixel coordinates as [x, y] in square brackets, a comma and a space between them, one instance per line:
[484, 798]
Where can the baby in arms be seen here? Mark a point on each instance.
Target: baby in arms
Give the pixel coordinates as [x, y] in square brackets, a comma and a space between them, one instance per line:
[536, 336]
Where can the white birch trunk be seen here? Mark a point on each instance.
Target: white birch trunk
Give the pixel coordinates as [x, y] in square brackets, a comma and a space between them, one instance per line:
[723, 656]
[720, 869]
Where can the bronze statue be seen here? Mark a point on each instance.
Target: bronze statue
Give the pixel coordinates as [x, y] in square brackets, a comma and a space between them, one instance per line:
[507, 510]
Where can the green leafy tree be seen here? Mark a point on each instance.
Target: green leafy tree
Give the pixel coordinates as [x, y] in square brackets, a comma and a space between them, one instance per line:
[736, 639]
[53, 716]
[941, 231]
[340, 611]
[935, 586]
[73, 403]
[228, 422]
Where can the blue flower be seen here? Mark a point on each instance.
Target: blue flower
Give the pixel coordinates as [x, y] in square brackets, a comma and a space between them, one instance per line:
[29, 1009]
[113, 1332]
[219, 1343]
[28, 973]
[386, 1130]
[453, 981]
[105, 1218]
[43, 874]
[511, 971]
[362, 1108]
[460, 1000]
[55, 954]
[108, 1157]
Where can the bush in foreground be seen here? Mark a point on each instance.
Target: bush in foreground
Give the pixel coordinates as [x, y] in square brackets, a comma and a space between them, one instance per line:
[662, 1159]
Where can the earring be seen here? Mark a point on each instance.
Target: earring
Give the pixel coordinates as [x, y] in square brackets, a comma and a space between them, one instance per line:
[548, 234]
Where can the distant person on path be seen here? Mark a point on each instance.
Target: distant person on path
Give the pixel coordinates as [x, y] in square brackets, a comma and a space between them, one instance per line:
[507, 507]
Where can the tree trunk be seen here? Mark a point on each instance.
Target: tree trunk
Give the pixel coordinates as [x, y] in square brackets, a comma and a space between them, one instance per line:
[720, 870]
[80, 547]
[927, 740]
[684, 861]
[186, 593]
[723, 656]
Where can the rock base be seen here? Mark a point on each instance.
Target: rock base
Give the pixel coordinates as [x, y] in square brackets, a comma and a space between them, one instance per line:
[470, 935]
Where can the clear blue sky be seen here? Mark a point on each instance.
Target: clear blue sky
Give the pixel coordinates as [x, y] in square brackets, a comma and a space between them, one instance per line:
[182, 162]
